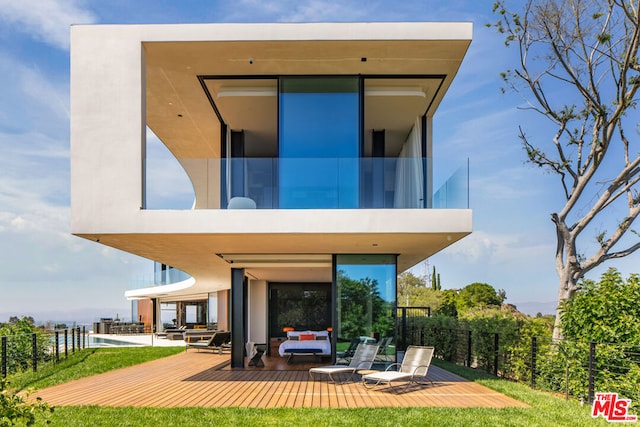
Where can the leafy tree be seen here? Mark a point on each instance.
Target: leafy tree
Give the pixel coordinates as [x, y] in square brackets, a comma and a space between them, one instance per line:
[413, 292]
[407, 284]
[435, 280]
[578, 67]
[479, 295]
[607, 311]
[448, 306]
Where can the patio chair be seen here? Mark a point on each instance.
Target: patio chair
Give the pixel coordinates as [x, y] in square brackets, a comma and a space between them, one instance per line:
[362, 359]
[413, 368]
[218, 342]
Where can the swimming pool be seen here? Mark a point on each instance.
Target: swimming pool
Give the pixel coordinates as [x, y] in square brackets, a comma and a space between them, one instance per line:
[110, 342]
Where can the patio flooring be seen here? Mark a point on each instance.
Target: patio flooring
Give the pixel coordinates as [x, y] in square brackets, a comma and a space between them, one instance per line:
[204, 379]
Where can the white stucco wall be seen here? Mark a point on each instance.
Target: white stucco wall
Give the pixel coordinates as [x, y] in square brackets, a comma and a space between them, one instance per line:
[258, 311]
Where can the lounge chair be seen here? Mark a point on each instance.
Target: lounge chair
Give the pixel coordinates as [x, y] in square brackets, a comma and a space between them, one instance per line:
[413, 368]
[218, 342]
[362, 359]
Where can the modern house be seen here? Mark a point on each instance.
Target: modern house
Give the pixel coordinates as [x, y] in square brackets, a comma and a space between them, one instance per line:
[309, 148]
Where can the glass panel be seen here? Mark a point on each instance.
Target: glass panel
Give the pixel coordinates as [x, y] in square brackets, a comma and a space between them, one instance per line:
[304, 307]
[454, 193]
[366, 289]
[213, 310]
[192, 314]
[319, 120]
[168, 315]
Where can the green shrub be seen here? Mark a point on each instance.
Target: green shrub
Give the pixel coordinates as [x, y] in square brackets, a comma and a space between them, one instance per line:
[20, 344]
[16, 411]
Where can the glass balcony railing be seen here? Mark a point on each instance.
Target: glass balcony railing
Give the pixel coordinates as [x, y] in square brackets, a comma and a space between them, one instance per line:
[165, 277]
[321, 183]
[454, 193]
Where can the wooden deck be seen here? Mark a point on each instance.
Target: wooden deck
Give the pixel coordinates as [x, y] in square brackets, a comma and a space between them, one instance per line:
[204, 379]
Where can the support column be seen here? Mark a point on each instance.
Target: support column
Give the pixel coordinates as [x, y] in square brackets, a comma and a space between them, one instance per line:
[238, 296]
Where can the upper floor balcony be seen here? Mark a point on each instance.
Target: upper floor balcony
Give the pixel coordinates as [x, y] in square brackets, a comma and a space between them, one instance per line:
[320, 183]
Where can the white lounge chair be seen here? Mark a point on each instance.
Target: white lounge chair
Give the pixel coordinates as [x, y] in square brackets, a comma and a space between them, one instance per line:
[413, 368]
[362, 359]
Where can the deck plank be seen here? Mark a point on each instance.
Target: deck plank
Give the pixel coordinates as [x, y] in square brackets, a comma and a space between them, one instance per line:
[199, 379]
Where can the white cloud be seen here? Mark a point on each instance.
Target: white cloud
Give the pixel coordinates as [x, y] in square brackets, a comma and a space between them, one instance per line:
[39, 87]
[46, 20]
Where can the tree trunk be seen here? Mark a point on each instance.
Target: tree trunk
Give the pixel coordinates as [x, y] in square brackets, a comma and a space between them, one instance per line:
[567, 267]
[566, 289]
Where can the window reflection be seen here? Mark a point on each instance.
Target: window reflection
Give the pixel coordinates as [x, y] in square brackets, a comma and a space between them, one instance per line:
[366, 288]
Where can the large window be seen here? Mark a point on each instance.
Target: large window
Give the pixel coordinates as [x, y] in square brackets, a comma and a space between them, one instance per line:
[366, 289]
[319, 142]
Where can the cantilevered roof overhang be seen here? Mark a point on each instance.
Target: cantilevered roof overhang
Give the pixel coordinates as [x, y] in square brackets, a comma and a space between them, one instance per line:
[127, 77]
[181, 117]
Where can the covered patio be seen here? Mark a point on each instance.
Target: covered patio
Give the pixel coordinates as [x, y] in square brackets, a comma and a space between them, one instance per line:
[204, 379]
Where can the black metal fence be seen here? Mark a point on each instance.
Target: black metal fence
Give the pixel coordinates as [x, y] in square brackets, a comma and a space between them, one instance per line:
[410, 324]
[22, 352]
[574, 369]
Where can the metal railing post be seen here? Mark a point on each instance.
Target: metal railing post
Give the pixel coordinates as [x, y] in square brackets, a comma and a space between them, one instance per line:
[66, 343]
[73, 340]
[34, 352]
[57, 346]
[404, 328]
[495, 355]
[534, 347]
[78, 336]
[592, 360]
[4, 357]
[469, 349]
[84, 336]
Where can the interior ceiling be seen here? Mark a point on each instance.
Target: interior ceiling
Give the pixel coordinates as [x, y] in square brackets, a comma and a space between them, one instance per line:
[391, 104]
[182, 117]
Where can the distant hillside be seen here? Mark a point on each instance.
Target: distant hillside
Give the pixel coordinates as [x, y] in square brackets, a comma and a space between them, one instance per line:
[80, 316]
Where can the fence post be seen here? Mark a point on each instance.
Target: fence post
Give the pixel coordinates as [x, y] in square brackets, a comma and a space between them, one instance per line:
[73, 340]
[4, 357]
[469, 348]
[84, 337]
[78, 336]
[592, 360]
[66, 344]
[34, 352]
[534, 347]
[496, 350]
[404, 328]
[57, 346]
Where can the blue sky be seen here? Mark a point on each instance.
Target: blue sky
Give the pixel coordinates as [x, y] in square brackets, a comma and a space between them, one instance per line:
[49, 274]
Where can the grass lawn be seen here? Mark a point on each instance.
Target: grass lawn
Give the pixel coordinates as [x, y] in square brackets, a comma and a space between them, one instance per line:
[545, 410]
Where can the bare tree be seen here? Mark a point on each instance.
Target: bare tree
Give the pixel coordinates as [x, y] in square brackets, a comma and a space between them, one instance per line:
[578, 67]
